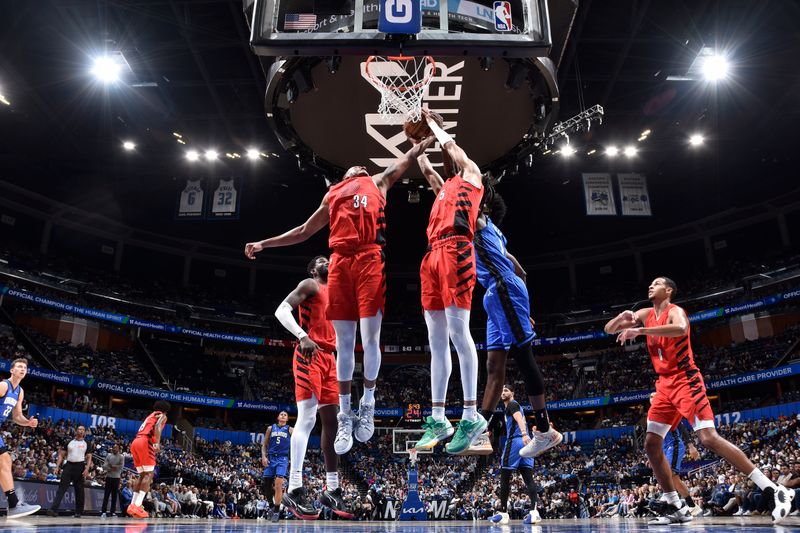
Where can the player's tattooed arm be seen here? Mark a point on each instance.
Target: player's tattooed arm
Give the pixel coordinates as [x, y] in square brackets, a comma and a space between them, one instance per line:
[397, 169]
[318, 220]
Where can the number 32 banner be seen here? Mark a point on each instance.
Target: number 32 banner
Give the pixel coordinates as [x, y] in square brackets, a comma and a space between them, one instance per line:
[220, 200]
[225, 200]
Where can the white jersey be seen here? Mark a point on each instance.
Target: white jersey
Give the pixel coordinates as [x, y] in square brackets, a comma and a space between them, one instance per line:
[224, 201]
[191, 202]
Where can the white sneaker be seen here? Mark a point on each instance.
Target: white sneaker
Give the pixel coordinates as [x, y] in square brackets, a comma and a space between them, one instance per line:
[344, 434]
[365, 426]
[532, 517]
[783, 504]
[499, 518]
[696, 510]
[740, 512]
[541, 442]
[22, 509]
[481, 446]
[678, 516]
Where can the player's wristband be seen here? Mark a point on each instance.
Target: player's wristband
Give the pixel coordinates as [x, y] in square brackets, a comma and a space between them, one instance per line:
[442, 136]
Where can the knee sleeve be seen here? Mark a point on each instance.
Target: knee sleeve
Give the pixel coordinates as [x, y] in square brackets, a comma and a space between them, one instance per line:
[370, 340]
[526, 362]
[441, 365]
[458, 327]
[345, 348]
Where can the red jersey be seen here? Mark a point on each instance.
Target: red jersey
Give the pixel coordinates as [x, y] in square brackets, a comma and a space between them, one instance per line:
[455, 210]
[669, 355]
[356, 213]
[313, 321]
[148, 427]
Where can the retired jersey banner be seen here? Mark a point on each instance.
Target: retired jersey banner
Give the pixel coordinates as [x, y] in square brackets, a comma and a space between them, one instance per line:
[225, 200]
[190, 200]
[633, 192]
[599, 194]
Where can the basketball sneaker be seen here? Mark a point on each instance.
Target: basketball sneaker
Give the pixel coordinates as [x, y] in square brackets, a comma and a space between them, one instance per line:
[333, 500]
[137, 512]
[344, 434]
[22, 509]
[467, 433]
[696, 510]
[435, 432]
[783, 504]
[672, 515]
[297, 503]
[365, 426]
[276, 517]
[532, 517]
[499, 518]
[541, 442]
[481, 446]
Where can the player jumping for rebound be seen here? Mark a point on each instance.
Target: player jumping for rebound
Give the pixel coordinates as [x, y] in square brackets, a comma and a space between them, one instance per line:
[12, 396]
[143, 449]
[354, 208]
[511, 460]
[275, 460]
[314, 389]
[681, 392]
[508, 325]
[447, 278]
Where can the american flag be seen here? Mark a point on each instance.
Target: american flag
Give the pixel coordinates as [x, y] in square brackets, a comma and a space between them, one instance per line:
[299, 21]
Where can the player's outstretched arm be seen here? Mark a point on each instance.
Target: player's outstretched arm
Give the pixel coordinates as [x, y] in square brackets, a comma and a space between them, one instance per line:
[434, 178]
[469, 170]
[318, 220]
[304, 290]
[395, 171]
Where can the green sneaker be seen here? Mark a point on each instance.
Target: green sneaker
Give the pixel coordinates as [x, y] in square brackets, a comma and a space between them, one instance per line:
[435, 432]
[466, 435]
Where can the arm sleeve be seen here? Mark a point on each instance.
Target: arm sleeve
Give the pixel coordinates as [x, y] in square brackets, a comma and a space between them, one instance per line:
[285, 317]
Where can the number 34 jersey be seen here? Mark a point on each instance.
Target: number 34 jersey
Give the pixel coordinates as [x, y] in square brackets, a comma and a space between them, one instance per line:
[357, 217]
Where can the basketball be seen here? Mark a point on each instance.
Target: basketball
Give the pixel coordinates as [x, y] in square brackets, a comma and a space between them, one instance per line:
[418, 130]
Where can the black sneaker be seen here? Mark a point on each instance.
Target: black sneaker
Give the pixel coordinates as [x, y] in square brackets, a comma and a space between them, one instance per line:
[276, 516]
[335, 502]
[672, 515]
[52, 512]
[297, 502]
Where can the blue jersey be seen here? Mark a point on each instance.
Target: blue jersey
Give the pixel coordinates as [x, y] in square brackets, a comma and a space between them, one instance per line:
[9, 400]
[491, 262]
[512, 428]
[279, 439]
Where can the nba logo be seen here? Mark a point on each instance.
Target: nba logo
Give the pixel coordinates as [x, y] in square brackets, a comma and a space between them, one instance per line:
[502, 16]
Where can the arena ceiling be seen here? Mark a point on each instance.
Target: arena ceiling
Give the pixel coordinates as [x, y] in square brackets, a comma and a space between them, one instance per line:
[192, 73]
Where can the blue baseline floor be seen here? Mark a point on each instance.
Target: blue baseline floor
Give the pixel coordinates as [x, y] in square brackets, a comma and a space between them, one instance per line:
[125, 525]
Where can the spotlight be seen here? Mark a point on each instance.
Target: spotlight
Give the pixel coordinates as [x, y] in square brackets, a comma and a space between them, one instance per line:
[211, 155]
[715, 67]
[567, 150]
[192, 155]
[590, 152]
[630, 151]
[696, 139]
[4, 100]
[252, 154]
[612, 151]
[106, 69]
[129, 145]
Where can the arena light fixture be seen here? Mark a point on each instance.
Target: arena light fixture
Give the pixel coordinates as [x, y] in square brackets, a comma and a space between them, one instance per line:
[590, 152]
[106, 69]
[129, 146]
[192, 155]
[567, 151]
[630, 151]
[211, 155]
[715, 67]
[252, 154]
[612, 151]
[4, 100]
[696, 139]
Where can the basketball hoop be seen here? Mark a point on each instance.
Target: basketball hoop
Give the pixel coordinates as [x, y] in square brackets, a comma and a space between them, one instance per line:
[401, 81]
[412, 456]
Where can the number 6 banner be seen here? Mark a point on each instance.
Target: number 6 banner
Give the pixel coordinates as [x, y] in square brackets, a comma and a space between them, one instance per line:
[190, 200]
[224, 201]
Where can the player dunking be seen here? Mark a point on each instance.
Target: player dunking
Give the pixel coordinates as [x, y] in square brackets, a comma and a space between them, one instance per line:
[681, 392]
[354, 208]
[275, 460]
[12, 395]
[314, 388]
[447, 278]
[508, 325]
[143, 449]
[510, 460]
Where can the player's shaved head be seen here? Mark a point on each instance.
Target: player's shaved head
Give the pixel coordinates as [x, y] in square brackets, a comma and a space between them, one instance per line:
[356, 171]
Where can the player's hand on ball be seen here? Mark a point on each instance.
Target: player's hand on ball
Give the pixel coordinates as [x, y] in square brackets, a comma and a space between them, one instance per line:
[628, 334]
[264, 462]
[251, 249]
[308, 347]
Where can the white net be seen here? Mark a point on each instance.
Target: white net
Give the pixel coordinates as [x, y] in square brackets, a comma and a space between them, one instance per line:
[401, 82]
